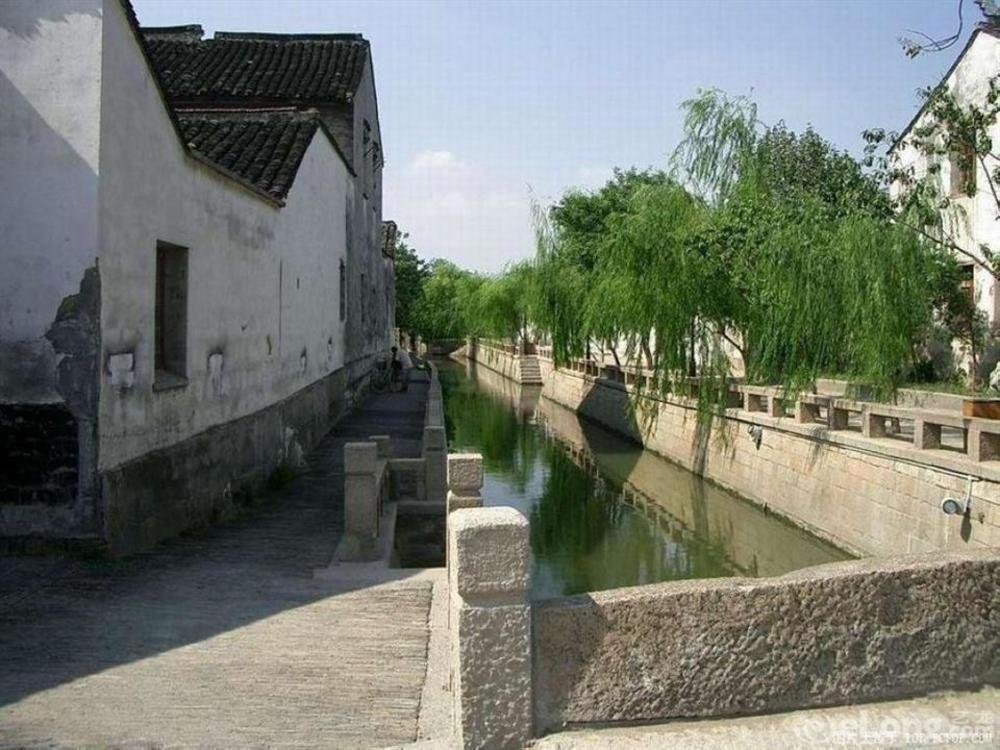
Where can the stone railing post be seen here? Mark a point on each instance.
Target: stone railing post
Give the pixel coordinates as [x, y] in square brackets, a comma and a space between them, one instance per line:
[465, 481]
[362, 502]
[435, 463]
[489, 578]
[383, 444]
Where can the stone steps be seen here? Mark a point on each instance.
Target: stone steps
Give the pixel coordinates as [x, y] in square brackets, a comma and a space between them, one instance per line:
[531, 371]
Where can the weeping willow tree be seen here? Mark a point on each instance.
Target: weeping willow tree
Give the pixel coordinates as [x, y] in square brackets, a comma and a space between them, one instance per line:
[817, 277]
[571, 270]
[767, 244]
[501, 307]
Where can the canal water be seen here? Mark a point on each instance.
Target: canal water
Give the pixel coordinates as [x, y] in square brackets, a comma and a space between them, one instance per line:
[604, 513]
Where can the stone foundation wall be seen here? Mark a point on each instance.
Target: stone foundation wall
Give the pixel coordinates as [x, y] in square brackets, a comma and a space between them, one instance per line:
[207, 477]
[870, 496]
[828, 635]
[39, 452]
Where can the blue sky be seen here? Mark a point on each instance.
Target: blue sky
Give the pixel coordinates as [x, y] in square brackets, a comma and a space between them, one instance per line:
[480, 101]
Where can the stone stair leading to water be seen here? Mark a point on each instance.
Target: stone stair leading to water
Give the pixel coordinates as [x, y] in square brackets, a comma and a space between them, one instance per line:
[531, 371]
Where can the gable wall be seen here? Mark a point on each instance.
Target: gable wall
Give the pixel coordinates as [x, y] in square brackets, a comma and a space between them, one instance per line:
[263, 281]
[975, 222]
[50, 82]
[371, 311]
[265, 345]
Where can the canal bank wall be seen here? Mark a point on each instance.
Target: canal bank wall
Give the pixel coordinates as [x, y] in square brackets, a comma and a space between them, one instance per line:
[865, 630]
[684, 507]
[869, 495]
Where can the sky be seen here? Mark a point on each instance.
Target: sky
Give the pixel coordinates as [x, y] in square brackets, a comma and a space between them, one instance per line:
[484, 104]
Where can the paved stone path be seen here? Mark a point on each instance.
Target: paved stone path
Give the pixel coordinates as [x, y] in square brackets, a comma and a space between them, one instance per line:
[222, 638]
[950, 719]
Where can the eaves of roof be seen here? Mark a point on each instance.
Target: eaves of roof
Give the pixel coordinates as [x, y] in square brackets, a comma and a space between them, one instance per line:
[982, 29]
[230, 174]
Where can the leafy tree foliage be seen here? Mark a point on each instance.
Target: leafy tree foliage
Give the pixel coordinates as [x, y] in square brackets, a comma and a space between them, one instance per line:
[448, 295]
[411, 273]
[762, 242]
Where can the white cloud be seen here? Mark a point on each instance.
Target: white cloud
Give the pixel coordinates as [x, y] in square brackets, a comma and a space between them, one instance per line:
[454, 208]
[430, 160]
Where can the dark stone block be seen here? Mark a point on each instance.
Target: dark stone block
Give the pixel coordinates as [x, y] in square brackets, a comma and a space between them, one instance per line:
[38, 454]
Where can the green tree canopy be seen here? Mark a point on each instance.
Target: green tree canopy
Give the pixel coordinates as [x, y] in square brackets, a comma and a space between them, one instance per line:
[411, 274]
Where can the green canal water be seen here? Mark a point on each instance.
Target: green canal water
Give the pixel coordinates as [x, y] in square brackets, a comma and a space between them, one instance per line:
[605, 513]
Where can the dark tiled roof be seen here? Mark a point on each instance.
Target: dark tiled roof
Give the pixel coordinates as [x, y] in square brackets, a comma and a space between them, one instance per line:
[262, 148]
[278, 67]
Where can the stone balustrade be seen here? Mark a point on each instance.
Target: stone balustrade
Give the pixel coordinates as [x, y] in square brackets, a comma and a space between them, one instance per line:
[366, 488]
[489, 577]
[980, 437]
[841, 633]
[465, 481]
[826, 635]
[435, 444]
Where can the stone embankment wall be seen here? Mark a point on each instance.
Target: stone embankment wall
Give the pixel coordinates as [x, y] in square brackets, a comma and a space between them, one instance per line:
[828, 635]
[521, 368]
[869, 495]
[843, 633]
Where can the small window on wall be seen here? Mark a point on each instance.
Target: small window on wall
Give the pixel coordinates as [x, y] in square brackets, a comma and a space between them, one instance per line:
[343, 291]
[962, 165]
[967, 283]
[170, 321]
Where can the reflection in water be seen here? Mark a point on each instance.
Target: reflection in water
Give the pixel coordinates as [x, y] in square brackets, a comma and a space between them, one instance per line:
[604, 512]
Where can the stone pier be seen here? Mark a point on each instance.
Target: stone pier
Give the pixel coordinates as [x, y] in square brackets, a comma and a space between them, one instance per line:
[489, 577]
[465, 481]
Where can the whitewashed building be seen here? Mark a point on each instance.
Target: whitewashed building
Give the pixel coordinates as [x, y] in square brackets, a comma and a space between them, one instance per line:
[971, 221]
[192, 278]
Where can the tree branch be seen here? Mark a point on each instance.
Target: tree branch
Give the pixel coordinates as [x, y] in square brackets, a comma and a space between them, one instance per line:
[952, 245]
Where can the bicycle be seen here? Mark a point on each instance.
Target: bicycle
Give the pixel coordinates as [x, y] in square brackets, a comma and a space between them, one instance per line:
[380, 381]
[385, 378]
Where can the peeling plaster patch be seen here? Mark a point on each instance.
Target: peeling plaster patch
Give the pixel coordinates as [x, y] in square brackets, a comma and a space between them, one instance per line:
[121, 367]
[216, 363]
[75, 334]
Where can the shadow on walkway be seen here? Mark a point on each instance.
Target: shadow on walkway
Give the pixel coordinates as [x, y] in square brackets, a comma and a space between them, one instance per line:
[224, 626]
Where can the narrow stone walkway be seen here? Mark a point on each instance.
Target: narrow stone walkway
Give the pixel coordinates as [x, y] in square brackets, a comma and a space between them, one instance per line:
[222, 638]
[947, 719]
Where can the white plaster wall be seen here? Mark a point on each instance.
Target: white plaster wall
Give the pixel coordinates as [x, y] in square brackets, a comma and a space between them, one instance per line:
[263, 281]
[975, 222]
[50, 82]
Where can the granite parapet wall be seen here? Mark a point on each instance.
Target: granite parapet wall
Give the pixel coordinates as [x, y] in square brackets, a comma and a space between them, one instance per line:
[829, 635]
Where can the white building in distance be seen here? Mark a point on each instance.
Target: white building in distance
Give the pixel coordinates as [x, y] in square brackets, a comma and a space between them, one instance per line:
[972, 220]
